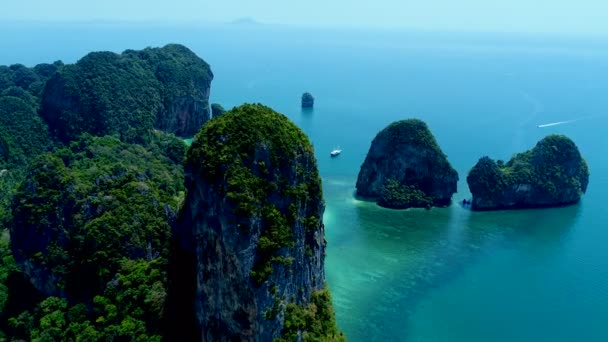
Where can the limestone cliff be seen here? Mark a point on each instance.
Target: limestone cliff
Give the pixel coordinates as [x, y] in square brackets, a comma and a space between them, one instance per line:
[553, 173]
[251, 229]
[129, 94]
[84, 209]
[406, 168]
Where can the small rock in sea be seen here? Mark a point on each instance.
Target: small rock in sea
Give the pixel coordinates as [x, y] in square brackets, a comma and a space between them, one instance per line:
[308, 100]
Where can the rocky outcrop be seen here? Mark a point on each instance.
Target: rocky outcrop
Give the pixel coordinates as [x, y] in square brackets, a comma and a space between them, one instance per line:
[251, 233]
[553, 173]
[185, 115]
[129, 94]
[308, 101]
[38, 228]
[406, 168]
[217, 110]
[83, 210]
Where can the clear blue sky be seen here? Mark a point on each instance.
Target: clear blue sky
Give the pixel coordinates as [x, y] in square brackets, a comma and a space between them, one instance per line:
[557, 16]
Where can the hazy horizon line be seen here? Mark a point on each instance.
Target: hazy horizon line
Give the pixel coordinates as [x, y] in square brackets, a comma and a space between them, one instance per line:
[254, 23]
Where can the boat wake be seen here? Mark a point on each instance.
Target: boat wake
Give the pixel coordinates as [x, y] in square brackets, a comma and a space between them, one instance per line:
[572, 121]
[556, 123]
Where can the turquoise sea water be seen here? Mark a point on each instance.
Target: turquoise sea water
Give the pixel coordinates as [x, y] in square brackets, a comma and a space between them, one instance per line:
[441, 275]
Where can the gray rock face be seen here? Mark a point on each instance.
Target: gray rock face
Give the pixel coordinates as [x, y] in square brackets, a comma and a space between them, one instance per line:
[407, 152]
[184, 116]
[553, 173]
[251, 262]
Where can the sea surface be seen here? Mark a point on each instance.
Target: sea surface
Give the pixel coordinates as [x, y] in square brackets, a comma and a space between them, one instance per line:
[446, 274]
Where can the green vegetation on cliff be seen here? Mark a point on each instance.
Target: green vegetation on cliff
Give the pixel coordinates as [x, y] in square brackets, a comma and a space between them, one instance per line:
[8, 266]
[244, 157]
[398, 196]
[84, 208]
[129, 94]
[411, 132]
[405, 167]
[92, 222]
[23, 134]
[30, 80]
[130, 309]
[552, 173]
[316, 321]
[91, 187]
[486, 178]
[217, 110]
[254, 215]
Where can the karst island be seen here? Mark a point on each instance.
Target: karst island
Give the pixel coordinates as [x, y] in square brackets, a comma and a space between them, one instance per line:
[551, 174]
[405, 168]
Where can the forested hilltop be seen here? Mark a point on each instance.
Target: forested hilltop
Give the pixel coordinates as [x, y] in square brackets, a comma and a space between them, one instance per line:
[92, 190]
[23, 133]
[130, 95]
[90, 232]
[91, 181]
[553, 173]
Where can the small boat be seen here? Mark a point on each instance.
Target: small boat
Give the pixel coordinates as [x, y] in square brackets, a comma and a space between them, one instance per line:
[335, 152]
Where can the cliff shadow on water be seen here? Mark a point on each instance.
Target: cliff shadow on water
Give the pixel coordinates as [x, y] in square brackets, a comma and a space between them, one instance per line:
[307, 112]
[306, 120]
[417, 251]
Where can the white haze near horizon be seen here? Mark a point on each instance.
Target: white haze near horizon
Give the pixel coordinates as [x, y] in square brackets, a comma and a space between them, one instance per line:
[520, 16]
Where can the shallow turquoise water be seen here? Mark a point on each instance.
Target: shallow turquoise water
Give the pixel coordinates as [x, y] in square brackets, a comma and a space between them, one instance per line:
[446, 274]
[449, 274]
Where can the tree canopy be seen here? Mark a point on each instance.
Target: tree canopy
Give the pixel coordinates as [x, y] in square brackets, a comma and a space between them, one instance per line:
[127, 94]
[93, 222]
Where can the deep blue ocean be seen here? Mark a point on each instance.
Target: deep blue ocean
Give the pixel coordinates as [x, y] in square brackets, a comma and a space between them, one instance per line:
[415, 275]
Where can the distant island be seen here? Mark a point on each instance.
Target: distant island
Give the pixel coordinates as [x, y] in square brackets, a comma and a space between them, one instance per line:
[553, 173]
[245, 21]
[406, 168]
[308, 101]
